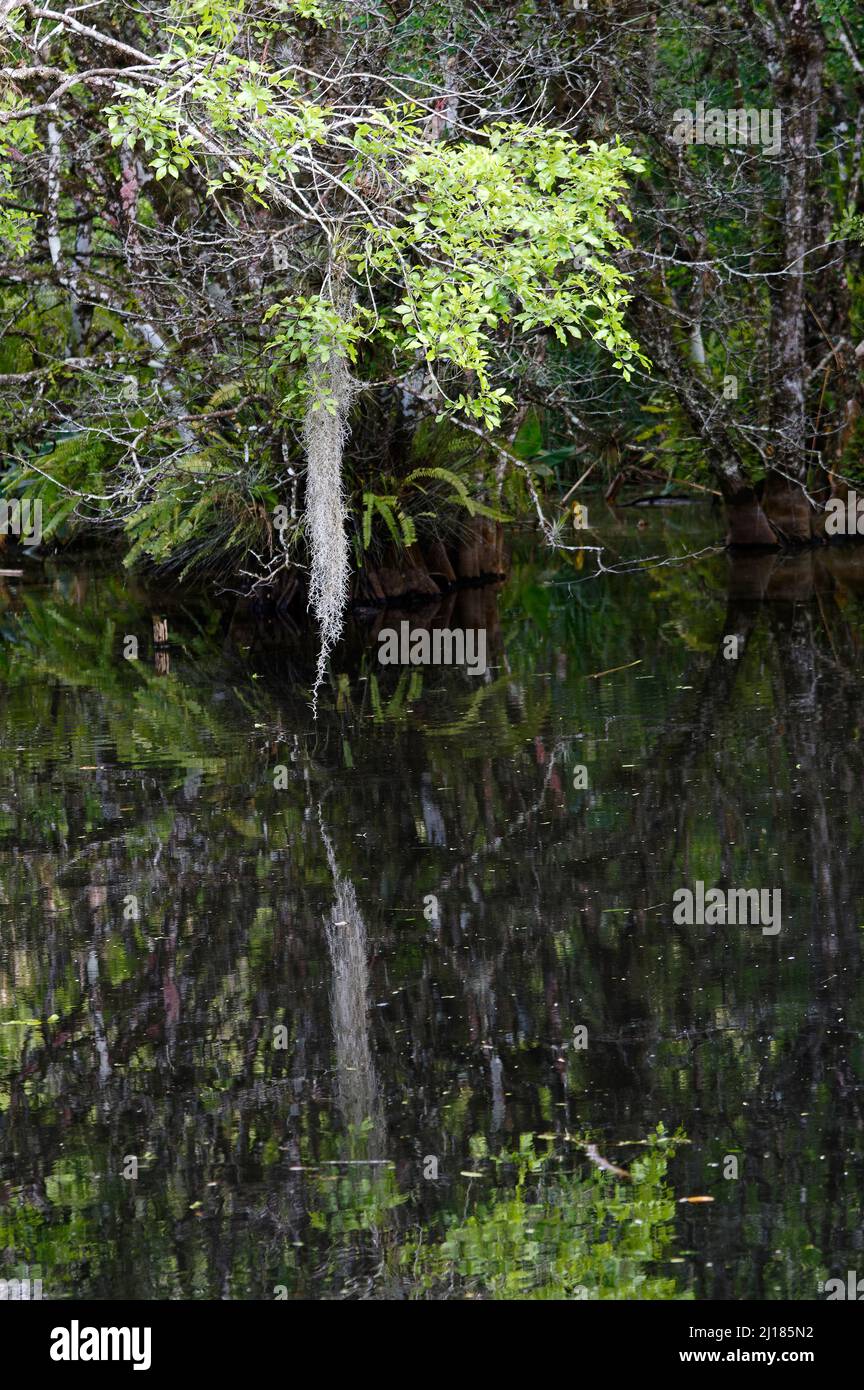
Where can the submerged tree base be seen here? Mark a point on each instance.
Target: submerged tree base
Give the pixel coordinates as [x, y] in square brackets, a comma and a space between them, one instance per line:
[780, 514]
[422, 571]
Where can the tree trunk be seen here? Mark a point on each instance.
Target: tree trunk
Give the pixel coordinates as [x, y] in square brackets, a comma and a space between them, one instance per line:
[746, 521]
[798, 91]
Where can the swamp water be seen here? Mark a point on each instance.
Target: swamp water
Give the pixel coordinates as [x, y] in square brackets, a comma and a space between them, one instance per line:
[375, 1006]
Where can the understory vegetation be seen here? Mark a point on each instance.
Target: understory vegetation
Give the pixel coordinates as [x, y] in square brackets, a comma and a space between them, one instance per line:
[340, 288]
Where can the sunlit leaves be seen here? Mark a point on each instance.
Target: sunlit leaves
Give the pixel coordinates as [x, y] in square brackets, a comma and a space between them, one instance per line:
[451, 244]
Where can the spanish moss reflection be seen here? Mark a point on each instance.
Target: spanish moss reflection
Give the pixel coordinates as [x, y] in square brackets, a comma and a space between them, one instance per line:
[455, 913]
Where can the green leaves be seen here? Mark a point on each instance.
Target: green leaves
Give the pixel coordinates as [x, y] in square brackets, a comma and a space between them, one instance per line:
[510, 228]
[513, 227]
[461, 494]
[310, 330]
[399, 524]
[535, 1230]
[17, 138]
[404, 250]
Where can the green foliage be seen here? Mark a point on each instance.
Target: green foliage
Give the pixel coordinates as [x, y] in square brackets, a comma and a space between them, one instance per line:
[850, 225]
[512, 228]
[405, 249]
[400, 526]
[515, 229]
[413, 502]
[202, 517]
[17, 138]
[68, 477]
[460, 492]
[552, 1234]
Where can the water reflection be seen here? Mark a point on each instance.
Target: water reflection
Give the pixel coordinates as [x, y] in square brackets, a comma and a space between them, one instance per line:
[356, 1082]
[429, 906]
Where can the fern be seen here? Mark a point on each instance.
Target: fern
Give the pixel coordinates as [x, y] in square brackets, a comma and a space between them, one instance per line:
[229, 392]
[463, 497]
[400, 525]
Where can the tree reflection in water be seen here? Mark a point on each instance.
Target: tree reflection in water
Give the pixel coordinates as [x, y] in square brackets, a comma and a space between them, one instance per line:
[165, 906]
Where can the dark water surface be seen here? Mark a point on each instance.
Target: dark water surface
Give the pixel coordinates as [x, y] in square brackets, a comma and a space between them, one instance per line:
[246, 1017]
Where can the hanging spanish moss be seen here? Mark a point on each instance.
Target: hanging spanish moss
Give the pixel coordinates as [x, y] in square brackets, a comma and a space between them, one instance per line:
[325, 430]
